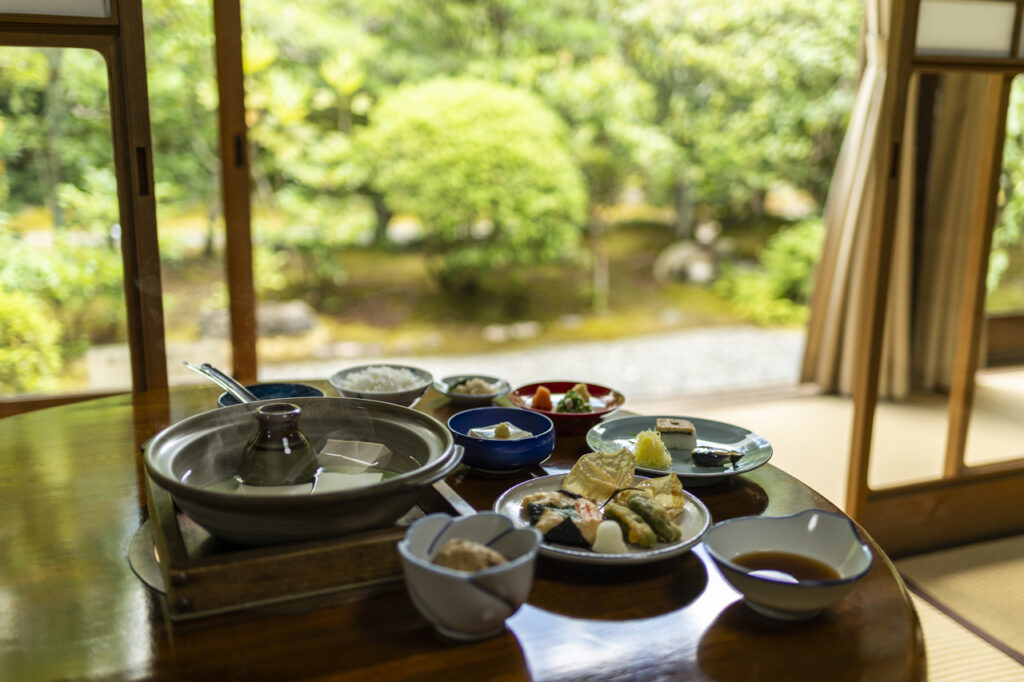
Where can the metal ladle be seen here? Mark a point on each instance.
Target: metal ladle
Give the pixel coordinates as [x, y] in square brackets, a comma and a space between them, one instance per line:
[225, 381]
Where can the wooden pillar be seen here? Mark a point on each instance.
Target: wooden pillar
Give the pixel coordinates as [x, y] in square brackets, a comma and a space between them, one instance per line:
[133, 160]
[234, 162]
[874, 300]
[972, 304]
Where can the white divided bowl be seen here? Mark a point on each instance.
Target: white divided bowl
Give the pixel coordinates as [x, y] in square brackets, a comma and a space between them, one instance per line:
[461, 605]
[823, 536]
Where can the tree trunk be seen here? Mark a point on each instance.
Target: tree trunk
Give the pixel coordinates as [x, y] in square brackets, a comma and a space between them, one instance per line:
[53, 116]
[601, 278]
[682, 227]
[384, 215]
[212, 212]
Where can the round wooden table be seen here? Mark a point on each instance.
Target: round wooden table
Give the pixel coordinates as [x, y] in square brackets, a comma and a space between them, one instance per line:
[72, 497]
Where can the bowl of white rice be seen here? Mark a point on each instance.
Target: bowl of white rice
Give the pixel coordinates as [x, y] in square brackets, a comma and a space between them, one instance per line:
[398, 384]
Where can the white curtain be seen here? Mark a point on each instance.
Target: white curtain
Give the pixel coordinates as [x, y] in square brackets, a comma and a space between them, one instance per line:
[954, 171]
[854, 206]
[928, 263]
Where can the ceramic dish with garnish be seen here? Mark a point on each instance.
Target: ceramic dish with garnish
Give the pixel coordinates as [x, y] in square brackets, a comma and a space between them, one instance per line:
[527, 438]
[693, 524]
[574, 406]
[461, 604]
[616, 433]
[472, 390]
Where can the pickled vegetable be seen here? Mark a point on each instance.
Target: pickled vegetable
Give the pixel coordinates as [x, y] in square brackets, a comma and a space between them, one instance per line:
[541, 399]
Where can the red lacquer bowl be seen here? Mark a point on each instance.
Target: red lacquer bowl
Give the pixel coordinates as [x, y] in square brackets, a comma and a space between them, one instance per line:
[604, 400]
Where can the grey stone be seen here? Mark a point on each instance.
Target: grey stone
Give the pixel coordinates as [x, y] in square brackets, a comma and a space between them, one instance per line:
[685, 261]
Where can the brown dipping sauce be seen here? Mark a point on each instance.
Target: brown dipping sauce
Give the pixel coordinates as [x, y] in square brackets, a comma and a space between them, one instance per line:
[793, 567]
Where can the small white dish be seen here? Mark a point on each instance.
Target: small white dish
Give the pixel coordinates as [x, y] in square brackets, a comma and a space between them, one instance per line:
[461, 605]
[449, 386]
[694, 522]
[823, 537]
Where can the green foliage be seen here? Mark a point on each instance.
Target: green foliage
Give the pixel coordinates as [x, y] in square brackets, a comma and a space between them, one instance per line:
[1006, 239]
[29, 344]
[485, 167]
[78, 285]
[754, 92]
[503, 128]
[778, 290]
[93, 206]
[55, 120]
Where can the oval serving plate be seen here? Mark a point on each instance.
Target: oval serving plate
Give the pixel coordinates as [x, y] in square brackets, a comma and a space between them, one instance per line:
[614, 434]
[694, 523]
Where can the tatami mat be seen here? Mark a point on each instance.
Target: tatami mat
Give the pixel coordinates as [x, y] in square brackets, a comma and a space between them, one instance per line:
[957, 655]
[982, 584]
[979, 590]
[811, 433]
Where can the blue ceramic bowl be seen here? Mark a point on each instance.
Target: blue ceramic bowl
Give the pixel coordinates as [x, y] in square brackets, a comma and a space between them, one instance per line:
[278, 390]
[503, 455]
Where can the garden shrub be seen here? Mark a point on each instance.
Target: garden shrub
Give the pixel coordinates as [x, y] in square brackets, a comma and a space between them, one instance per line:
[29, 344]
[778, 289]
[486, 169]
[78, 284]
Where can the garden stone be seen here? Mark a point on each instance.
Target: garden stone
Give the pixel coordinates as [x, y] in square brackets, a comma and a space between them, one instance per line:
[685, 261]
[286, 318]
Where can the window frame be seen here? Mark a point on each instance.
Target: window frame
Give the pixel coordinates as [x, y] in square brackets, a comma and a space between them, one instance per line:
[119, 38]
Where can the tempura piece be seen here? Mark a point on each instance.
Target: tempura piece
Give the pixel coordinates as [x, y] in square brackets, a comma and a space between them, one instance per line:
[667, 492]
[638, 532]
[656, 516]
[598, 475]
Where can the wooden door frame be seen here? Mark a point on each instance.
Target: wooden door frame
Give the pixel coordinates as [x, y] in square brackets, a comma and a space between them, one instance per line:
[967, 503]
[235, 186]
[120, 40]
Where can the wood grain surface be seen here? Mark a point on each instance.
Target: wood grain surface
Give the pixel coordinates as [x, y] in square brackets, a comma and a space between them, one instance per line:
[72, 497]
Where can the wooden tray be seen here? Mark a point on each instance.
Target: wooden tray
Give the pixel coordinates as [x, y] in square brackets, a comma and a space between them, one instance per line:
[203, 575]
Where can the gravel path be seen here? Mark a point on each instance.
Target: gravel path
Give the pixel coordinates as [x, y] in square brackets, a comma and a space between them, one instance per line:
[693, 361]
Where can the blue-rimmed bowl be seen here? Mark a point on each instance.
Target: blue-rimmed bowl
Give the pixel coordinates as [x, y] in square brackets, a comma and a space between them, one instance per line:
[501, 456]
[824, 537]
[460, 604]
[274, 391]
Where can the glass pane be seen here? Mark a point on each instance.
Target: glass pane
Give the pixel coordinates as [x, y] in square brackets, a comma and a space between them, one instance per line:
[503, 188]
[67, 8]
[995, 432]
[1006, 263]
[183, 103]
[62, 316]
[965, 27]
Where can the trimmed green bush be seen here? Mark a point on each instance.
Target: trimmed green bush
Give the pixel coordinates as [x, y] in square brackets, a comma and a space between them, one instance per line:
[29, 344]
[486, 169]
[776, 291]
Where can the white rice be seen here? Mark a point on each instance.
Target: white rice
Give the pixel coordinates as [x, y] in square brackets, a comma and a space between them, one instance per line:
[381, 379]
